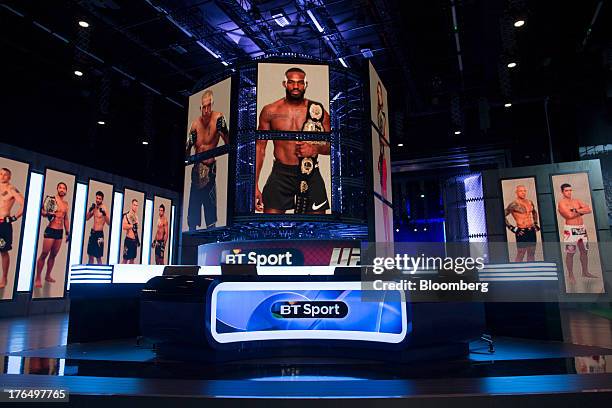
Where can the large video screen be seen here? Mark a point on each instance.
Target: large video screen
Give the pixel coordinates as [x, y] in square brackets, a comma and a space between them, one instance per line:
[13, 186]
[577, 233]
[54, 235]
[208, 118]
[205, 194]
[293, 97]
[379, 108]
[292, 177]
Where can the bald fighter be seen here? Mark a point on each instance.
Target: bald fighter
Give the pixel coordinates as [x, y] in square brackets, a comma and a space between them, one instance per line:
[526, 217]
[100, 215]
[9, 195]
[161, 236]
[131, 241]
[57, 212]
[295, 175]
[204, 135]
[574, 232]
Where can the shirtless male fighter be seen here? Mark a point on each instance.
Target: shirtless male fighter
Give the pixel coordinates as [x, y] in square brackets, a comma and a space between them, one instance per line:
[161, 236]
[293, 160]
[95, 244]
[59, 220]
[131, 241]
[574, 232]
[9, 195]
[204, 135]
[526, 216]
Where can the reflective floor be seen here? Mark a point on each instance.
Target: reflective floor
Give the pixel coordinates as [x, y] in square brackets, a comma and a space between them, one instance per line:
[33, 352]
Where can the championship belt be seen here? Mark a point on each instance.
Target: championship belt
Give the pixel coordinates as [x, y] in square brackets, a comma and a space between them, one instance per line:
[200, 175]
[314, 118]
[307, 166]
[50, 204]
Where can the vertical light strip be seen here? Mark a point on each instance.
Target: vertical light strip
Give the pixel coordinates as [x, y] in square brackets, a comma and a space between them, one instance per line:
[115, 238]
[78, 225]
[146, 233]
[171, 236]
[14, 365]
[30, 233]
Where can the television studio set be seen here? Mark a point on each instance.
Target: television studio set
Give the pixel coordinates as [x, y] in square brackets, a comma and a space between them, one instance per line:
[306, 203]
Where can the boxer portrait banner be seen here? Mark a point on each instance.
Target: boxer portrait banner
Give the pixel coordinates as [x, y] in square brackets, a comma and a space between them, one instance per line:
[288, 184]
[577, 233]
[162, 230]
[381, 163]
[132, 221]
[208, 118]
[55, 228]
[522, 219]
[205, 194]
[13, 190]
[293, 97]
[97, 223]
[379, 108]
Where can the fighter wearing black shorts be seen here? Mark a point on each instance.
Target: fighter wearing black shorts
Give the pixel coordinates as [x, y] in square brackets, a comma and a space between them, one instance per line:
[130, 247]
[203, 193]
[525, 237]
[54, 233]
[95, 245]
[284, 183]
[160, 248]
[6, 236]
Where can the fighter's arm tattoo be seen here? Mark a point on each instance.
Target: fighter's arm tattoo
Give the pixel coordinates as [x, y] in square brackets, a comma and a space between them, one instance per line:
[19, 199]
[512, 207]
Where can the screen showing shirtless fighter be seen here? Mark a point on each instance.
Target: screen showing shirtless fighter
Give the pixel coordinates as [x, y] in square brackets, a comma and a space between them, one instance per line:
[11, 210]
[578, 234]
[295, 178]
[56, 210]
[161, 235]
[525, 224]
[100, 215]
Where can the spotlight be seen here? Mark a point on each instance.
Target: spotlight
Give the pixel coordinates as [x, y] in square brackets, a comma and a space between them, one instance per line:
[457, 132]
[422, 195]
[400, 145]
[415, 230]
[425, 229]
[78, 73]
[144, 142]
[507, 105]
[511, 64]
[101, 122]
[280, 17]
[397, 230]
[519, 23]
[83, 23]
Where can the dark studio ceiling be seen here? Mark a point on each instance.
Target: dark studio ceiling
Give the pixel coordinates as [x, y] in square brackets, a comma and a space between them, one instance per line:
[443, 62]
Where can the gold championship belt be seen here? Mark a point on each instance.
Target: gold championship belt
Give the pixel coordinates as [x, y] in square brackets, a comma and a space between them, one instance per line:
[200, 175]
[314, 118]
[307, 166]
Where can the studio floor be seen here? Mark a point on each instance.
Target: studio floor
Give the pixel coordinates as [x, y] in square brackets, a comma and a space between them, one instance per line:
[35, 354]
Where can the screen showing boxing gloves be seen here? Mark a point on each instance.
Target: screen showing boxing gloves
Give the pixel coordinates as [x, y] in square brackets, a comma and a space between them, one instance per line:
[292, 177]
[131, 227]
[521, 217]
[54, 235]
[293, 97]
[13, 186]
[97, 223]
[208, 118]
[379, 108]
[161, 231]
[577, 233]
[205, 194]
